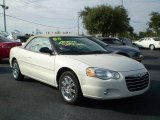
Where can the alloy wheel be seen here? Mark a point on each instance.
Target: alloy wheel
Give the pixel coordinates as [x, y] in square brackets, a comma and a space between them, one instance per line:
[68, 88]
[15, 70]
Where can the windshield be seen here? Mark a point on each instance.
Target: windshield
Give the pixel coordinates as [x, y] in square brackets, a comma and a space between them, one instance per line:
[77, 45]
[4, 39]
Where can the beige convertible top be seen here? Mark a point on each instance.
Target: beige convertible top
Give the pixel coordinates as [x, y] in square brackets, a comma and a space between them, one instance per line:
[52, 35]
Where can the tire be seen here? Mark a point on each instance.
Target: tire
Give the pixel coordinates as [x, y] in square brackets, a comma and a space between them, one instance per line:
[151, 47]
[69, 88]
[16, 71]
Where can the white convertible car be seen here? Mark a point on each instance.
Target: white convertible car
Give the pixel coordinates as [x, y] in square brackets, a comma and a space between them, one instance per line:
[78, 67]
[151, 43]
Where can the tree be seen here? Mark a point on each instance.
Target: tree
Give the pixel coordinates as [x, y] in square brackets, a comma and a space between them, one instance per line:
[106, 20]
[154, 23]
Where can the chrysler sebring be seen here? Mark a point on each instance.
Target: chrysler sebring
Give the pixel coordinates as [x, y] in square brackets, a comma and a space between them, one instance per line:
[78, 67]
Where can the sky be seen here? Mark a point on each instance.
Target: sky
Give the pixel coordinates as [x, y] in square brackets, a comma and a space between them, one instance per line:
[62, 15]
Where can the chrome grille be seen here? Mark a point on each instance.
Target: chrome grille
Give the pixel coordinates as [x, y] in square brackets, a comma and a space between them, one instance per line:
[137, 82]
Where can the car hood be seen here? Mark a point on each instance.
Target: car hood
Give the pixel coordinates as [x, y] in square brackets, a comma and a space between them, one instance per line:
[124, 48]
[109, 61]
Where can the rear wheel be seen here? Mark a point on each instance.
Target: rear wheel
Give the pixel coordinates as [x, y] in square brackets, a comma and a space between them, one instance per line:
[16, 71]
[69, 87]
[152, 47]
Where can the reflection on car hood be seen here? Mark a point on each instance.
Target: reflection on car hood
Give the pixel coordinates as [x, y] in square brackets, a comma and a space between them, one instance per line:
[124, 48]
[109, 61]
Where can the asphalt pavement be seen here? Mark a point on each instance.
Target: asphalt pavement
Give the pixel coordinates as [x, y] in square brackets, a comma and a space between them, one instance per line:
[32, 100]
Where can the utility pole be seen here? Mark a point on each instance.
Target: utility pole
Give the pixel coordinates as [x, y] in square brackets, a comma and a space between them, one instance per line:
[4, 14]
[4, 9]
[78, 21]
[78, 25]
[122, 3]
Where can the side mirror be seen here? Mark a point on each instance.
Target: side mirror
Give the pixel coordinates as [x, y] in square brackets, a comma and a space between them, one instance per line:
[46, 50]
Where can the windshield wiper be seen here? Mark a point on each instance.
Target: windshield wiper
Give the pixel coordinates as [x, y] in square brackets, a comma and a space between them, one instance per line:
[72, 52]
[97, 52]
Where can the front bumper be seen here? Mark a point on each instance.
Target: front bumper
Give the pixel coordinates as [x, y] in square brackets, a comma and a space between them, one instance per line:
[109, 89]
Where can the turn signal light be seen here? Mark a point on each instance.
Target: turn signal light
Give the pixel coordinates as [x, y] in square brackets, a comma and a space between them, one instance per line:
[90, 72]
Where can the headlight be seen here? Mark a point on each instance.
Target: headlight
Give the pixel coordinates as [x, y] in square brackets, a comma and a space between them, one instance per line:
[101, 73]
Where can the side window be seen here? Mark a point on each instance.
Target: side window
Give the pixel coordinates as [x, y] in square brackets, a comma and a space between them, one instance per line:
[108, 41]
[141, 39]
[150, 39]
[44, 42]
[33, 45]
[146, 39]
[37, 43]
[117, 42]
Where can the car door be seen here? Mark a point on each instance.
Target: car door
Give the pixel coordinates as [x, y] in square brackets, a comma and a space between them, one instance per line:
[147, 42]
[40, 65]
[141, 42]
[5, 46]
[156, 42]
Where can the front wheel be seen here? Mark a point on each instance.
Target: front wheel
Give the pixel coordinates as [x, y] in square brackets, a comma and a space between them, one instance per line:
[69, 87]
[16, 71]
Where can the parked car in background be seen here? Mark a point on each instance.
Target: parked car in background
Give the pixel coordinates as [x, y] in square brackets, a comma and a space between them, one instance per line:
[3, 33]
[113, 41]
[148, 42]
[5, 46]
[127, 51]
[118, 41]
[22, 38]
[127, 42]
[79, 67]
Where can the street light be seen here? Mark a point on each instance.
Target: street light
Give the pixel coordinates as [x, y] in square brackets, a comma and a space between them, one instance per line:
[4, 13]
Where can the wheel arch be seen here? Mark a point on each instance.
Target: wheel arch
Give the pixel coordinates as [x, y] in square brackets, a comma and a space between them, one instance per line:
[151, 45]
[13, 60]
[61, 71]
